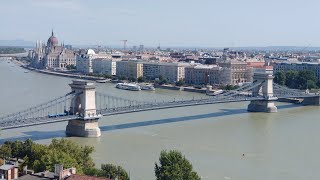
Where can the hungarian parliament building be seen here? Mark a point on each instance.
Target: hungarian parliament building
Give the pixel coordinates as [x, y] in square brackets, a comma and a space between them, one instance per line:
[52, 55]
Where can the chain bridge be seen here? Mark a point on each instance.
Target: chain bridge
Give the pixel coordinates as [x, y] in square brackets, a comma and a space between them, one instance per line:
[83, 106]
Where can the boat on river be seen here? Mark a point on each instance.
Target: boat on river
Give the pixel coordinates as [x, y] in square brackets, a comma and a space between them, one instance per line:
[148, 87]
[102, 80]
[128, 86]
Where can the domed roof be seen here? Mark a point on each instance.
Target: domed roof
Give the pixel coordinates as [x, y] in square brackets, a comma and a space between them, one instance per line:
[90, 52]
[52, 41]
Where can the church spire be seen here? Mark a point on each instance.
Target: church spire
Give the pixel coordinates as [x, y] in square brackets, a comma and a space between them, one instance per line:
[52, 32]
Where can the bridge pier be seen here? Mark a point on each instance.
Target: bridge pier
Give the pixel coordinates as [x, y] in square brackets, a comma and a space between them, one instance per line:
[312, 101]
[84, 105]
[265, 89]
[262, 106]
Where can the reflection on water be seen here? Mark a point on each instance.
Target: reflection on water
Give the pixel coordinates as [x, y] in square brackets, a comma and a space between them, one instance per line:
[282, 145]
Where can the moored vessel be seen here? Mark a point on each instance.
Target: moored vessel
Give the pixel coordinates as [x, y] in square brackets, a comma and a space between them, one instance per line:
[128, 86]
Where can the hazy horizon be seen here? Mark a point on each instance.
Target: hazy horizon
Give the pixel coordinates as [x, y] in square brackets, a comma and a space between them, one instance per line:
[203, 23]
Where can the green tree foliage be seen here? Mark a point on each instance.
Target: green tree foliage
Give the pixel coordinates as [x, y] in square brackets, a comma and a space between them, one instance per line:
[112, 171]
[71, 67]
[173, 165]
[230, 87]
[123, 78]
[141, 79]
[312, 85]
[5, 151]
[297, 79]
[132, 79]
[280, 78]
[180, 82]
[108, 170]
[11, 50]
[162, 80]
[43, 157]
[305, 78]
[92, 172]
[107, 76]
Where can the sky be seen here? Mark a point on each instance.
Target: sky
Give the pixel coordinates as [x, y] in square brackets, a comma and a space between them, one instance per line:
[193, 23]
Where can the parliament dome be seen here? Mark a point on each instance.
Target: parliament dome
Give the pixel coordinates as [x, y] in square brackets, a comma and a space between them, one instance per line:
[52, 41]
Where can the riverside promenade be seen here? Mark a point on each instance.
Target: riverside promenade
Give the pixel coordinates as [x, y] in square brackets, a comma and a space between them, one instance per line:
[55, 73]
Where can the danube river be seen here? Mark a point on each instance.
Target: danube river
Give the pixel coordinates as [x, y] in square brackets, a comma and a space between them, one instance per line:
[282, 145]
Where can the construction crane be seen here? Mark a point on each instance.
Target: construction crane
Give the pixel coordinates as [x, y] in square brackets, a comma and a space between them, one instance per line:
[124, 44]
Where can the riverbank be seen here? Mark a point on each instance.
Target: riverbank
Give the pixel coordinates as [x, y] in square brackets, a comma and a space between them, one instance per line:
[78, 76]
[183, 88]
[61, 74]
[213, 137]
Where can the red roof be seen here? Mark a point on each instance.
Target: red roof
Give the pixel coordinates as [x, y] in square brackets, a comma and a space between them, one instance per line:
[84, 177]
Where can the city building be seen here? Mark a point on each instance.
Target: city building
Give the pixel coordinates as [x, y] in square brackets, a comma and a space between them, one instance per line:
[298, 66]
[85, 58]
[173, 72]
[104, 66]
[52, 55]
[141, 48]
[8, 172]
[59, 174]
[129, 68]
[236, 72]
[203, 75]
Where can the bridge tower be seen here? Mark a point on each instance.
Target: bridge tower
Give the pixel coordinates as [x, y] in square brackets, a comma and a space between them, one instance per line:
[83, 104]
[266, 90]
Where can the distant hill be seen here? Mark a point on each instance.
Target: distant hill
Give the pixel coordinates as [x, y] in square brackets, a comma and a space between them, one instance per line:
[17, 43]
[280, 48]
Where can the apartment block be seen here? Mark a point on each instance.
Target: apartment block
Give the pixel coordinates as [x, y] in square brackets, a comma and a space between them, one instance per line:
[130, 68]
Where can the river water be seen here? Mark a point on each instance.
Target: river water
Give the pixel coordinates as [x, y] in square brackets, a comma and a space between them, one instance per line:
[281, 145]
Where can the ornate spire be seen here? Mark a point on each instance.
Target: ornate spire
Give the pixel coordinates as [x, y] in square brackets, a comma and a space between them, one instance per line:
[52, 32]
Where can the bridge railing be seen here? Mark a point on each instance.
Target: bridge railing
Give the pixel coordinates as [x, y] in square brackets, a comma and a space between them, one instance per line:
[55, 106]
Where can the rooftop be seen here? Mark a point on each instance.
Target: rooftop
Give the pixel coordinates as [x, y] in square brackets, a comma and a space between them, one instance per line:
[7, 167]
[83, 177]
[32, 177]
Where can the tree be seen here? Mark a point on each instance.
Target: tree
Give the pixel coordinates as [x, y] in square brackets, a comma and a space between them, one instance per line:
[11, 50]
[5, 151]
[43, 157]
[173, 165]
[280, 78]
[111, 171]
[180, 82]
[311, 85]
[108, 76]
[305, 78]
[297, 79]
[141, 79]
[122, 78]
[132, 79]
[291, 78]
[71, 67]
[93, 172]
[230, 87]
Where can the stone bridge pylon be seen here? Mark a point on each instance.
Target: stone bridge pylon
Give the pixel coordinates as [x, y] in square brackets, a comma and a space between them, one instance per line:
[83, 104]
[265, 89]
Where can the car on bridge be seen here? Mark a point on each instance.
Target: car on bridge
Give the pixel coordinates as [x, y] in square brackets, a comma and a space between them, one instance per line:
[57, 115]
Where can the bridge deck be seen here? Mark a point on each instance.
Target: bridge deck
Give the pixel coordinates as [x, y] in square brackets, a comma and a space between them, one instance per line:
[28, 117]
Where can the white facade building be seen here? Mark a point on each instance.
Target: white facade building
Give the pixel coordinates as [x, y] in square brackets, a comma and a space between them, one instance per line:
[129, 69]
[204, 74]
[84, 60]
[173, 72]
[104, 66]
